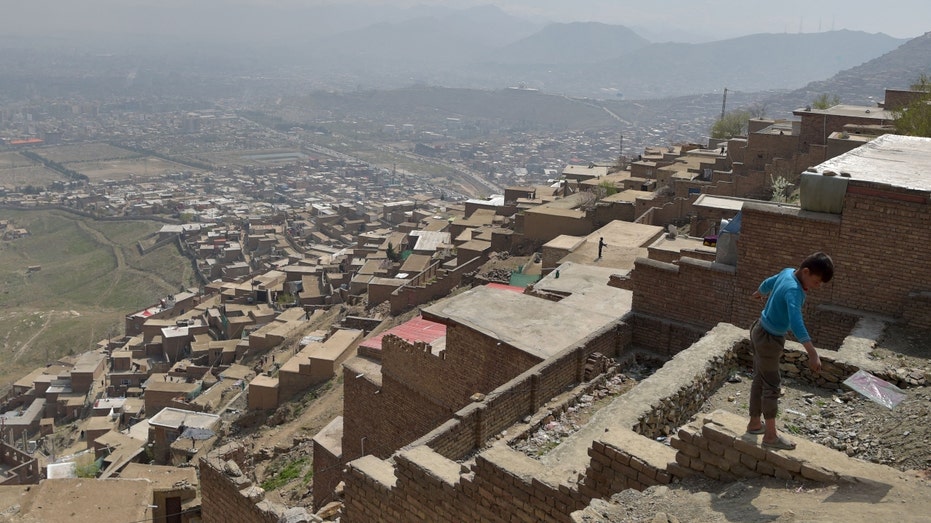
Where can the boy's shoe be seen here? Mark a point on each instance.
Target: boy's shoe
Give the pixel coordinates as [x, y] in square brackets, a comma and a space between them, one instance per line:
[780, 443]
[761, 430]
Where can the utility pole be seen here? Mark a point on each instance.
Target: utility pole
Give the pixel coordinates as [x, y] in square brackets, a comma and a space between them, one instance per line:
[724, 103]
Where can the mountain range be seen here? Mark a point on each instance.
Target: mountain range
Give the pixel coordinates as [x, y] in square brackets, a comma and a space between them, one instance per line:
[470, 48]
[345, 47]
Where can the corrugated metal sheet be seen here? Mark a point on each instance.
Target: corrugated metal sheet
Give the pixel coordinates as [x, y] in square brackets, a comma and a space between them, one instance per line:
[417, 329]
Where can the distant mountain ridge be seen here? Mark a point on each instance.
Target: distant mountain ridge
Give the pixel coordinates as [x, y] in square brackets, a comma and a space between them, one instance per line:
[578, 42]
[342, 48]
[866, 83]
[582, 59]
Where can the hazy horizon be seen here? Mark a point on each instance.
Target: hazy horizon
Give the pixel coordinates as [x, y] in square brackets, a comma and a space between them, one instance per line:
[658, 20]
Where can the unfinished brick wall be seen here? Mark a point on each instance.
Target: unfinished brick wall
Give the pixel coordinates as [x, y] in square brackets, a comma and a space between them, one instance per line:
[225, 489]
[623, 459]
[662, 336]
[709, 287]
[473, 362]
[21, 468]
[412, 295]
[403, 414]
[502, 484]
[709, 447]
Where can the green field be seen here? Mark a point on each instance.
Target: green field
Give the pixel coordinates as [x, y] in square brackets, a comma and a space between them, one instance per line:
[91, 276]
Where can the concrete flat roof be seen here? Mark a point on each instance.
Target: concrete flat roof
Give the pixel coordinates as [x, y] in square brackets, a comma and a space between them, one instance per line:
[680, 243]
[430, 240]
[536, 326]
[331, 436]
[264, 381]
[173, 418]
[625, 243]
[88, 362]
[719, 202]
[587, 288]
[891, 159]
[860, 111]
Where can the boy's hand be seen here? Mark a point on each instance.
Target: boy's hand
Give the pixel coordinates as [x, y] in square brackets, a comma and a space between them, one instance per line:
[814, 362]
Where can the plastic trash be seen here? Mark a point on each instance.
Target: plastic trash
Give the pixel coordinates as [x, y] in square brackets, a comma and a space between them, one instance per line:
[876, 389]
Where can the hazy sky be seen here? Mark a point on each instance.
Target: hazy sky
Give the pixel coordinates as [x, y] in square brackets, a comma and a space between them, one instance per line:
[657, 20]
[900, 18]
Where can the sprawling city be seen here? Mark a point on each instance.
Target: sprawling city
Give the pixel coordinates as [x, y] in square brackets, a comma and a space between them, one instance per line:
[283, 293]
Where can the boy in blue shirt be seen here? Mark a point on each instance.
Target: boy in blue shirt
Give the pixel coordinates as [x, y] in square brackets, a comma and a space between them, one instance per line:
[785, 294]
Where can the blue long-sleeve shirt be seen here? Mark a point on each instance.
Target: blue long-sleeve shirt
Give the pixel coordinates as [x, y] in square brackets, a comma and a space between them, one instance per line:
[783, 310]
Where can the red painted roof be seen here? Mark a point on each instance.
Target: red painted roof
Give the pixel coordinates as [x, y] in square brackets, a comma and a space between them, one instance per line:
[417, 329]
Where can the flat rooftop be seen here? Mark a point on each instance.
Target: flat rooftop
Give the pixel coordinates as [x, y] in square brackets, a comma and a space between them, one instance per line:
[534, 325]
[891, 159]
[174, 418]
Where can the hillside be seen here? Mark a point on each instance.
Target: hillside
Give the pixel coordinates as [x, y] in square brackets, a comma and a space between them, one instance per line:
[865, 84]
[580, 42]
[91, 275]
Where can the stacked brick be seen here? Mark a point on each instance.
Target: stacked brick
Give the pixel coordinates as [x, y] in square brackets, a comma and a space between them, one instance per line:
[711, 446]
[623, 459]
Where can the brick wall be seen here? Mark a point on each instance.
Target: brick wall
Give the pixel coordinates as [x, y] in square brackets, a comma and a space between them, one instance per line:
[224, 490]
[327, 474]
[815, 128]
[663, 336]
[618, 452]
[708, 285]
[403, 415]
[883, 239]
[21, 468]
[501, 484]
[544, 226]
[774, 237]
[414, 294]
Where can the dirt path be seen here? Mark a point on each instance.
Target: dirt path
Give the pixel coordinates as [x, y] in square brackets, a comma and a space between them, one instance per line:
[122, 267]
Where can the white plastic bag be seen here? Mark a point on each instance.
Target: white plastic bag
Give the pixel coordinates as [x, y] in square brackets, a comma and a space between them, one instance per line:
[876, 389]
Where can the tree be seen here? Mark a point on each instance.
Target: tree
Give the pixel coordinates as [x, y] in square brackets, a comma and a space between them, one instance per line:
[825, 101]
[914, 119]
[733, 124]
[758, 109]
[392, 254]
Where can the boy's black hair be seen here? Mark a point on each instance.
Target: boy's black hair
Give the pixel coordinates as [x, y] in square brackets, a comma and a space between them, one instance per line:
[819, 264]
